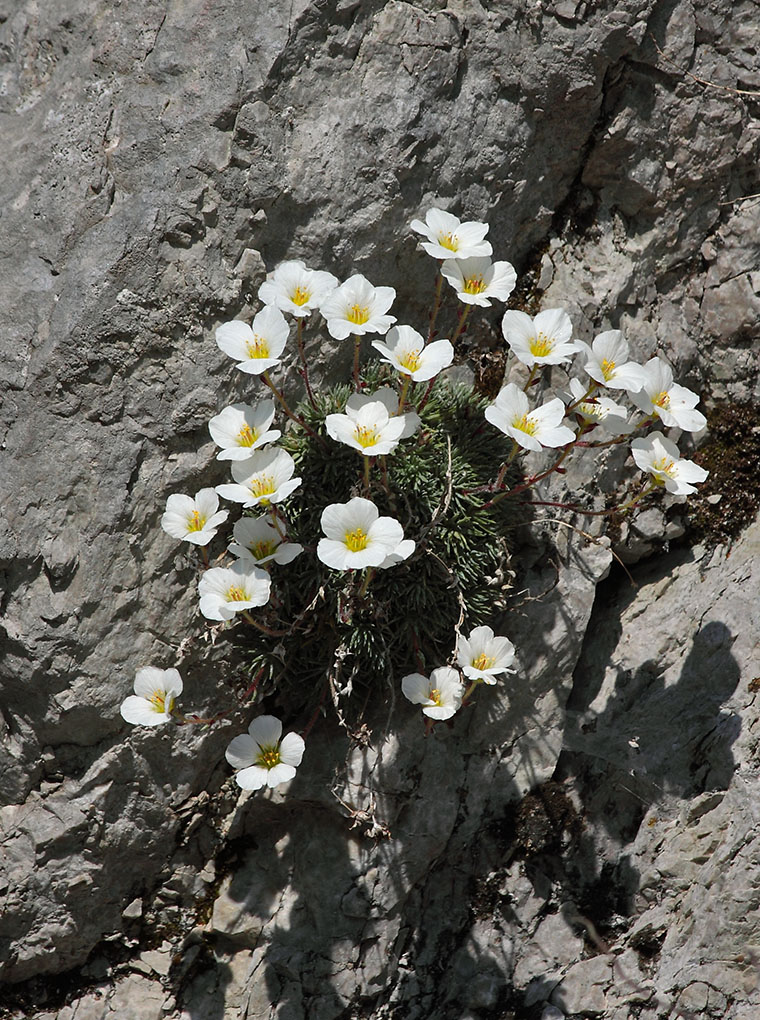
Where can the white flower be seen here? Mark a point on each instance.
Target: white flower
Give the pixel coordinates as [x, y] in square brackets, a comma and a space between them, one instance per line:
[294, 288]
[225, 591]
[447, 238]
[257, 347]
[357, 536]
[612, 417]
[511, 413]
[406, 351]
[357, 307]
[476, 280]
[256, 540]
[483, 656]
[660, 457]
[155, 693]
[606, 364]
[673, 404]
[262, 757]
[265, 477]
[441, 694]
[240, 429]
[193, 520]
[370, 424]
[544, 340]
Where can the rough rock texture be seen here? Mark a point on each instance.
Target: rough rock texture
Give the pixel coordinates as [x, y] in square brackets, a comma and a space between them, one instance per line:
[157, 157]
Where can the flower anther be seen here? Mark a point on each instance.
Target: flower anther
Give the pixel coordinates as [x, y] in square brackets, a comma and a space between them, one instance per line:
[263, 485]
[358, 314]
[526, 424]
[541, 345]
[268, 756]
[356, 540]
[257, 347]
[410, 360]
[474, 285]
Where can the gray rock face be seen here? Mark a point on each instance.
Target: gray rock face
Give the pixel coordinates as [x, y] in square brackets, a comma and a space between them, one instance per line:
[158, 160]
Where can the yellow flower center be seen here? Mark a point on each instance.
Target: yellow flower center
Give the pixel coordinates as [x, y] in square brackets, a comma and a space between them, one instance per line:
[482, 662]
[541, 345]
[247, 436]
[436, 697]
[525, 424]
[662, 400]
[262, 485]
[236, 594]
[268, 756]
[474, 285]
[608, 369]
[592, 410]
[665, 466]
[449, 241]
[365, 435]
[196, 522]
[358, 314]
[411, 360]
[356, 540]
[300, 296]
[257, 347]
[158, 701]
[262, 549]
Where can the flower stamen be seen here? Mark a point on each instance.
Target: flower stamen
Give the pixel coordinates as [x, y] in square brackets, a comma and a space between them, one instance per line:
[247, 436]
[666, 466]
[608, 368]
[262, 549]
[257, 347]
[262, 485]
[662, 400]
[158, 700]
[449, 241]
[410, 360]
[236, 594]
[268, 756]
[436, 697]
[196, 522]
[525, 424]
[483, 662]
[356, 540]
[300, 296]
[541, 345]
[365, 435]
[475, 285]
[358, 314]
